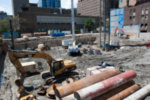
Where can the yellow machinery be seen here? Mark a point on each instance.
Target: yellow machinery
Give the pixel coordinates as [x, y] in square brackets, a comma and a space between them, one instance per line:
[56, 67]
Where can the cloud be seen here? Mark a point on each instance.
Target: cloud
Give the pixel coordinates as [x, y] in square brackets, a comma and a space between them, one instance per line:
[67, 3]
[6, 6]
[9, 12]
[64, 3]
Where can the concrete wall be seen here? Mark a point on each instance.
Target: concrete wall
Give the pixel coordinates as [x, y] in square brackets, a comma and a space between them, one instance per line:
[52, 42]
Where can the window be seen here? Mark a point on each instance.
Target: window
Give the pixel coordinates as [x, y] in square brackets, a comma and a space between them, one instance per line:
[127, 2]
[146, 17]
[146, 11]
[142, 12]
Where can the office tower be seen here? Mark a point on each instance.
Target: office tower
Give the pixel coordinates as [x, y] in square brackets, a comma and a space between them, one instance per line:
[49, 3]
[16, 4]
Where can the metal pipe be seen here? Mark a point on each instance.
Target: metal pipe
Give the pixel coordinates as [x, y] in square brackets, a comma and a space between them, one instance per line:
[63, 91]
[115, 91]
[100, 88]
[139, 94]
[125, 92]
[69, 97]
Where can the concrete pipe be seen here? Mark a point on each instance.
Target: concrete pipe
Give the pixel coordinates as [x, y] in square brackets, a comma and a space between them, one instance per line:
[100, 88]
[125, 93]
[63, 91]
[139, 94]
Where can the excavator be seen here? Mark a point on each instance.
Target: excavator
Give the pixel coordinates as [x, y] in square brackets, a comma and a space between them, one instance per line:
[56, 67]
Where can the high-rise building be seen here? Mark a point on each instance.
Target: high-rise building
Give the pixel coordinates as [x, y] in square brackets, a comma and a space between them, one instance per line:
[16, 4]
[49, 3]
[92, 7]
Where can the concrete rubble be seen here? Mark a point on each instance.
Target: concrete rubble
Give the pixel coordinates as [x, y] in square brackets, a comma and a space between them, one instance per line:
[123, 80]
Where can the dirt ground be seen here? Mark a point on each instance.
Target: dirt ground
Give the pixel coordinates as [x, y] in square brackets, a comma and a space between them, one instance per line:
[127, 58]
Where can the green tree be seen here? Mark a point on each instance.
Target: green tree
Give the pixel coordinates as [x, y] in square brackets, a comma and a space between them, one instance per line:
[89, 24]
[4, 25]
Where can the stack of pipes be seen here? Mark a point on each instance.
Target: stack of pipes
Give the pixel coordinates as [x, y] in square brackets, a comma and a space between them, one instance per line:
[108, 84]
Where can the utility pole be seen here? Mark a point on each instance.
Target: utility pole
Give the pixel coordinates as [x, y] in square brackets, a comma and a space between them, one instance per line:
[104, 23]
[73, 21]
[100, 29]
[109, 31]
[11, 32]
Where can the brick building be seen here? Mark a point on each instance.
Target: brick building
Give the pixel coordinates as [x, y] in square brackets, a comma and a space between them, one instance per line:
[34, 19]
[139, 14]
[92, 7]
[125, 3]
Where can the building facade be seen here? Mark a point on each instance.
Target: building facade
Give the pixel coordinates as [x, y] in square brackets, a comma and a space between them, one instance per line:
[139, 14]
[34, 19]
[127, 3]
[49, 3]
[16, 4]
[92, 7]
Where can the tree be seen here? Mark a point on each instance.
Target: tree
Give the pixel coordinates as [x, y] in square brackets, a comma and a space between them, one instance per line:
[89, 24]
[4, 25]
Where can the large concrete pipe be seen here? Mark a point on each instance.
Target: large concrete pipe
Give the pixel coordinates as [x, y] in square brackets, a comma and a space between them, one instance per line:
[63, 91]
[139, 94]
[125, 93]
[100, 88]
[115, 91]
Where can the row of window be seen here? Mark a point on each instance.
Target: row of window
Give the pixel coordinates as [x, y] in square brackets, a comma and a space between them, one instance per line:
[144, 14]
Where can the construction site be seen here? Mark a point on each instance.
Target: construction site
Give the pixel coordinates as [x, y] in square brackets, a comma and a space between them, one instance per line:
[64, 54]
[115, 74]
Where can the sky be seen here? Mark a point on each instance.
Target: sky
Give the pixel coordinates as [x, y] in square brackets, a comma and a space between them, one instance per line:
[5, 5]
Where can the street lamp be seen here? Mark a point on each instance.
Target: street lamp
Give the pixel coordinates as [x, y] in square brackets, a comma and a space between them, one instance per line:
[73, 20]
[100, 29]
[104, 23]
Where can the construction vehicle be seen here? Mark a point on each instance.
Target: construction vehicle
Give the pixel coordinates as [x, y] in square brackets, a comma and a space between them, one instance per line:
[56, 67]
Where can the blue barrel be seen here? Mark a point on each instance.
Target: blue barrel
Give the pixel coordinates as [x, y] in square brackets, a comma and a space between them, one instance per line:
[106, 46]
[57, 34]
